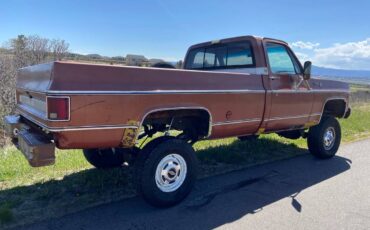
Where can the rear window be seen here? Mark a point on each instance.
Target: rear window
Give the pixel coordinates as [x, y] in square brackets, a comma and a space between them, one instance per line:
[232, 55]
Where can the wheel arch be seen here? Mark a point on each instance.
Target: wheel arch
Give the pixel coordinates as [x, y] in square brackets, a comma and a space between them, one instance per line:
[179, 111]
[335, 106]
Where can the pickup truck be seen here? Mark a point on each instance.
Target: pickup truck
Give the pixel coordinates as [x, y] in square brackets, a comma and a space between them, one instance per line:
[237, 87]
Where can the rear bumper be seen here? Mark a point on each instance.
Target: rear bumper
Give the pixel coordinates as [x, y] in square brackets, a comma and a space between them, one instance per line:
[35, 145]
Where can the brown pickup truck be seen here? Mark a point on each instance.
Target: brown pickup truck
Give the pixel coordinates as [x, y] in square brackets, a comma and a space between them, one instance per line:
[237, 87]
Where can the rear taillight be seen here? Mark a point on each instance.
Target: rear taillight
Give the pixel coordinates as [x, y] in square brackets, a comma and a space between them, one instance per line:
[58, 108]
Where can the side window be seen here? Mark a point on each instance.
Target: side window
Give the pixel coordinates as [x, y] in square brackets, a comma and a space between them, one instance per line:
[221, 56]
[239, 54]
[195, 59]
[209, 60]
[279, 59]
[215, 57]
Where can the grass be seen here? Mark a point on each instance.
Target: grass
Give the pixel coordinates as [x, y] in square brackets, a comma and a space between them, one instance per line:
[360, 94]
[28, 194]
[359, 87]
[357, 126]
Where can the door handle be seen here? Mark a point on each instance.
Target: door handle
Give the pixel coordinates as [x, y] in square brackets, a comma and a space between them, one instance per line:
[274, 77]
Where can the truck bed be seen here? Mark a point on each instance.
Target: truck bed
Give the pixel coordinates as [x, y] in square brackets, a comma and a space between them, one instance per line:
[110, 98]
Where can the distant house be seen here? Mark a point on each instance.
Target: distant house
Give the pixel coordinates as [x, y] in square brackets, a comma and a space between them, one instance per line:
[135, 60]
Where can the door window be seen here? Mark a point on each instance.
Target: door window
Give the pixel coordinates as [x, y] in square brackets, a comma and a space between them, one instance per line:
[279, 59]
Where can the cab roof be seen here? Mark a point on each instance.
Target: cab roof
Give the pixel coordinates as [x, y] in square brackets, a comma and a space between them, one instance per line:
[233, 39]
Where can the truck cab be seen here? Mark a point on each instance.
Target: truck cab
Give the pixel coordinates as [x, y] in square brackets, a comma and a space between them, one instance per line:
[293, 100]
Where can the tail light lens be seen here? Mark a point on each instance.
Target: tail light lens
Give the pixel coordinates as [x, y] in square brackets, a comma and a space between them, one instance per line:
[58, 108]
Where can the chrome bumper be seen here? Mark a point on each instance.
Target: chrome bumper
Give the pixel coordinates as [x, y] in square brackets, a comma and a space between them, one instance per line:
[38, 149]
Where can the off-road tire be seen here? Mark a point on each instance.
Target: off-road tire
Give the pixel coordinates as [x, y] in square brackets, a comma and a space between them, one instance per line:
[104, 158]
[146, 168]
[316, 138]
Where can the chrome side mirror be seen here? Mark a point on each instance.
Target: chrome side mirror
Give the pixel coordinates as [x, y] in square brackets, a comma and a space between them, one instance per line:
[307, 70]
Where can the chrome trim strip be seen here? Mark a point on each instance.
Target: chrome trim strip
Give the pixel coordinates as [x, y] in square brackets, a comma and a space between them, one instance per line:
[315, 114]
[309, 91]
[288, 117]
[31, 90]
[248, 71]
[149, 92]
[294, 117]
[75, 128]
[282, 130]
[31, 110]
[233, 122]
[155, 92]
[98, 127]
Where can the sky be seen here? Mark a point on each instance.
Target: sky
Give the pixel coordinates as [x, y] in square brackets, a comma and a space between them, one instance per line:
[330, 33]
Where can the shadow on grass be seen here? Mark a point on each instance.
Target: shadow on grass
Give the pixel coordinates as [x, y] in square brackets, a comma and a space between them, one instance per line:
[92, 187]
[246, 152]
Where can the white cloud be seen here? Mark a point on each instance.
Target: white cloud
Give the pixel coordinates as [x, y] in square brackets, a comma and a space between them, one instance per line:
[351, 55]
[302, 56]
[305, 45]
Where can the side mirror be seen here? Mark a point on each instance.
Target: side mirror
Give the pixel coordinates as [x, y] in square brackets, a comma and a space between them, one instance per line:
[307, 70]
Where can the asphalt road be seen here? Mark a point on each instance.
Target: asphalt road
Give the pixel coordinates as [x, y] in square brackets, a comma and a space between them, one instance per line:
[299, 193]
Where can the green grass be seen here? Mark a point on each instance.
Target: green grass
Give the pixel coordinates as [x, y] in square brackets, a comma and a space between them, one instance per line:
[359, 87]
[357, 126]
[28, 194]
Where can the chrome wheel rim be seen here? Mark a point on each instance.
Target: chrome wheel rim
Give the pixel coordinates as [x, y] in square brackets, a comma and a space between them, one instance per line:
[329, 138]
[170, 173]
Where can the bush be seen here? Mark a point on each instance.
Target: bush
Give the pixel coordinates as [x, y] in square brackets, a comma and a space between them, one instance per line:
[7, 85]
[20, 52]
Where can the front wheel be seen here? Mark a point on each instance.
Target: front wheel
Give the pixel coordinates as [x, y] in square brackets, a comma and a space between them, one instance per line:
[166, 171]
[324, 139]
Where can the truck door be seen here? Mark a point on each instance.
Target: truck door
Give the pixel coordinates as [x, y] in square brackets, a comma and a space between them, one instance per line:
[291, 97]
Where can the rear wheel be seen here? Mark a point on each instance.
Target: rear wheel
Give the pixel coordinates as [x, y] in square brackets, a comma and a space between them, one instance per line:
[165, 171]
[104, 158]
[324, 139]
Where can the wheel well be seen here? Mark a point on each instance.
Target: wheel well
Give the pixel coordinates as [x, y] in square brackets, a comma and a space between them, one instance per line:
[335, 107]
[195, 122]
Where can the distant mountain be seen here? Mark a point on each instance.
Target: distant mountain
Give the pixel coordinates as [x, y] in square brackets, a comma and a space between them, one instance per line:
[352, 76]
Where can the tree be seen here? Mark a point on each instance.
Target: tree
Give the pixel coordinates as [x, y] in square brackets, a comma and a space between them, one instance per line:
[7, 85]
[19, 48]
[179, 64]
[59, 48]
[24, 51]
[37, 49]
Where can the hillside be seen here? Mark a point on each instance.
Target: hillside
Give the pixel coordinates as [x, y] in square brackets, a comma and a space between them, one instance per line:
[353, 76]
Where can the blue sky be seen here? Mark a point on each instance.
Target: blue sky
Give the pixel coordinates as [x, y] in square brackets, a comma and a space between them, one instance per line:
[332, 33]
